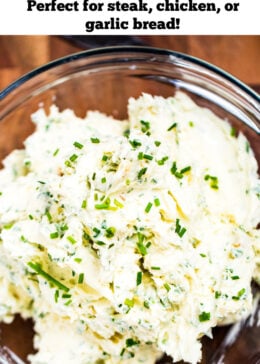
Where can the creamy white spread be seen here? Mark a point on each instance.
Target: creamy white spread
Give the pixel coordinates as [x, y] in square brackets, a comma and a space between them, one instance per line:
[126, 240]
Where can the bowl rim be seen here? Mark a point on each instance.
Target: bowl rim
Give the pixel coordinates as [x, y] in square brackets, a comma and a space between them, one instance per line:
[116, 50]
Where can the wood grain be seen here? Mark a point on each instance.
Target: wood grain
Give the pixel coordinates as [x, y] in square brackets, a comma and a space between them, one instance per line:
[238, 55]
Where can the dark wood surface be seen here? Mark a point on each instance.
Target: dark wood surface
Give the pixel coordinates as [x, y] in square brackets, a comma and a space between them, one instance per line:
[238, 55]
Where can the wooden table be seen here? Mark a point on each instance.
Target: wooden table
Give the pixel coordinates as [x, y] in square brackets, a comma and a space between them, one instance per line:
[238, 55]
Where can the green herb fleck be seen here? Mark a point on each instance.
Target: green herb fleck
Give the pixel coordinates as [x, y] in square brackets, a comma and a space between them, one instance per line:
[161, 162]
[146, 304]
[54, 235]
[131, 342]
[157, 202]
[81, 278]
[95, 140]
[239, 294]
[213, 181]
[148, 157]
[128, 302]
[217, 294]
[233, 131]
[145, 126]
[84, 204]
[179, 229]
[167, 287]
[135, 143]
[73, 157]
[157, 143]
[235, 278]
[38, 269]
[141, 173]
[71, 239]
[148, 207]
[110, 232]
[172, 127]
[204, 316]
[139, 278]
[78, 145]
[56, 296]
[56, 152]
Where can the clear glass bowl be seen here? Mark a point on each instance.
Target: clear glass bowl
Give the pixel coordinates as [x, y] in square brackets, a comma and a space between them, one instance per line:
[104, 79]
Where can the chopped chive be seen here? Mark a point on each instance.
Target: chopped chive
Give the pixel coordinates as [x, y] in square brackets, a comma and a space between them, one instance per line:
[140, 155]
[99, 242]
[142, 249]
[148, 157]
[145, 126]
[186, 169]
[247, 147]
[104, 158]
[139, 278]
[56, 296]
[213, 181]
[66, 295]
[54, 235]
[146, 304]
[41, 182]
[103, 180]
[96, 231]
[102, 206]
[148, 207]
[161, 162]
[126, 133]
[110, 232]
[203, 255]
[64, 227]
[239, 294]
[174, 168]
[71, 239]
[191, 124]
[38, 269]
[118, 204]
[78, 145]
[167, 287]
[128, 302]
[157, 202]
[135, 143]
[73, 157]
[157, 143]
[233, 131]
[131, 342]
[204, 316]
[77, 260]
[81, 278]
[148, 244]
[84, 204]
[68, 303]
[217, 294]
[179, 229]
[56, 152]
[235, 277]
[30, 217]
[141, 172]
[172, 127]
[155, 268]
[67, 163]
[95, 140]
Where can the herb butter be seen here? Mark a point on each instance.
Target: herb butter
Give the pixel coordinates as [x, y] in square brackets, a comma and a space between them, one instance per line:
[126, 240]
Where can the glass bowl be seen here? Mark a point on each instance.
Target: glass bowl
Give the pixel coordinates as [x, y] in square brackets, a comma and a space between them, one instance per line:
[104, 79]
